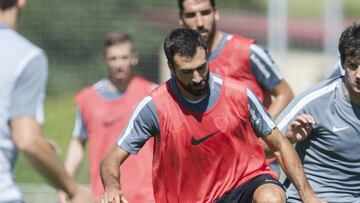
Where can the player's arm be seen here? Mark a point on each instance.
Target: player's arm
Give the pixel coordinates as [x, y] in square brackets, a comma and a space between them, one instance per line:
[76, 151]
[29, 139]
[142, 125]
[73, 160]
[266, 129]
[282, 96]
[110, 175]
[269, 77]
[26, 117]
[291, 164]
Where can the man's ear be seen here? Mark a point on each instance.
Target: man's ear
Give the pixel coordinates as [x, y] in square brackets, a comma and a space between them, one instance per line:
[217, 14]
[21, 3]
[181, 22]
[134, 59]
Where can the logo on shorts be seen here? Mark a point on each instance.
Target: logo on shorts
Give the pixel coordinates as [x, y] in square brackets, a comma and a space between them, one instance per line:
[198, 141]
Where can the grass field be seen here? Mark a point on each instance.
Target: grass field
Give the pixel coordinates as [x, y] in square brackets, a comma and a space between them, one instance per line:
[59, 116]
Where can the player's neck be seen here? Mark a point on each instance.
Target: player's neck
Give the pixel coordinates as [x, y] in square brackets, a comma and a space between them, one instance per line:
[119, 85]
[216, 40]
[9, 17]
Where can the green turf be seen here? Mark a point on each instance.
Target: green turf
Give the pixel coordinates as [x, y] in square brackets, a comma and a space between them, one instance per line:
[59, 115]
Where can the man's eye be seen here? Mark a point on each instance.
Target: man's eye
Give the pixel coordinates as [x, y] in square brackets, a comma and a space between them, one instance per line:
[189, 15]
[186, 72]
[202, 68]
[206, 12]
[353, 65]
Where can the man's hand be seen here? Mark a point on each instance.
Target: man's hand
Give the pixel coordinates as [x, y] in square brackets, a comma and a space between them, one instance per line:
[63, 197]
[82, 195]
[113, 194]
[300, 128]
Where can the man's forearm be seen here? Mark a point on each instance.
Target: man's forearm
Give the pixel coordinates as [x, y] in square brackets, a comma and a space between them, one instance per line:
[110, 174]
[278, 105]
[282, 96]
[29, 139]
[109, 169]
[292, 167]
[74, 157]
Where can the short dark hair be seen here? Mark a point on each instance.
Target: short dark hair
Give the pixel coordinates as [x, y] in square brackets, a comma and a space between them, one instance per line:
[5, 4]
[115, 38]
[181, 5]
[183, 41]
[349, 43]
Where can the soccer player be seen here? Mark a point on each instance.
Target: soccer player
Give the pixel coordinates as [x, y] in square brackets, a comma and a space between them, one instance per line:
[324, 121]
[103, 110]
[236, 56]
[206, 130]
[23, 76]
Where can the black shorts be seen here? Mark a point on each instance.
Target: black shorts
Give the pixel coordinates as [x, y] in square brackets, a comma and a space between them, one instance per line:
[244, 193]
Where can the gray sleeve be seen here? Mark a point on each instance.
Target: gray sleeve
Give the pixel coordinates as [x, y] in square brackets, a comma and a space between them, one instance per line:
[260, 120]
[29, 91]
[265, 70]
[79, 131]
[142, 125]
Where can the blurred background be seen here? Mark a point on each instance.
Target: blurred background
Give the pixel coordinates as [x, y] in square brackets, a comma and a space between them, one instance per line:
[301, 36]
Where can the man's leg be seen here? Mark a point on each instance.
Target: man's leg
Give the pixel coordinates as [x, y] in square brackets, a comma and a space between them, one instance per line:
[262, 188]
[269, 193]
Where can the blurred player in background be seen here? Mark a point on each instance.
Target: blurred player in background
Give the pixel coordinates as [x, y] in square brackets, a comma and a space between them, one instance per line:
[103, 110]
[23, 77]
[236, 56]
[324, 121]
[206, 129]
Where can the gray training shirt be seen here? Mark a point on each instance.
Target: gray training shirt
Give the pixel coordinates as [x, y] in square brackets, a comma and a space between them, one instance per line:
[23, 75]
[331, 153]
[144, 122]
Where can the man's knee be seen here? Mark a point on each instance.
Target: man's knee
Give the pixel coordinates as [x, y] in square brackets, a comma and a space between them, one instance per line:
[269, 193]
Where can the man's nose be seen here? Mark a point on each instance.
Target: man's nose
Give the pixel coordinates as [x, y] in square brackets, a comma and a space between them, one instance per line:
[199, 20]
[197, 78]
[357, 73]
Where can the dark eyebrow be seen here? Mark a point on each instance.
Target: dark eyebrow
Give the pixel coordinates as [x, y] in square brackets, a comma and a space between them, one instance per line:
[202, 65]
[197, 68]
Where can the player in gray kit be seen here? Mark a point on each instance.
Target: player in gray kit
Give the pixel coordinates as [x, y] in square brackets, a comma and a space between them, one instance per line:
[23, 75]
[324, 121]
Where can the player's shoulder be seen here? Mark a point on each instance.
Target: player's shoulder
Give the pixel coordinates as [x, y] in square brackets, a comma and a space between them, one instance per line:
[160, 89]
[85, 91]
[143, 81]
[232, 86]
[18, 44]
[318, 95]
[241, 39]
[323, 88]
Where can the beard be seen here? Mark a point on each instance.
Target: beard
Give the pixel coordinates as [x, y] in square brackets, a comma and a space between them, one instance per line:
[196, 89]
[209, 39]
